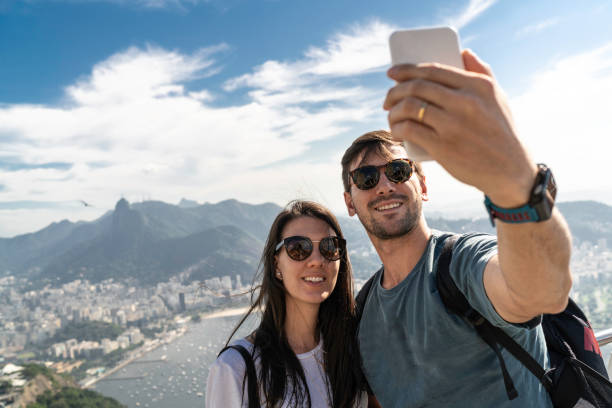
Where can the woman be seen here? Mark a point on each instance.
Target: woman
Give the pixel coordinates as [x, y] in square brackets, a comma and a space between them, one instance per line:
[305, 349]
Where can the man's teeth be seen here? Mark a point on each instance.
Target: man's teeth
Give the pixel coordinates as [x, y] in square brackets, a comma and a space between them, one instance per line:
[314, 279]
[388, 206]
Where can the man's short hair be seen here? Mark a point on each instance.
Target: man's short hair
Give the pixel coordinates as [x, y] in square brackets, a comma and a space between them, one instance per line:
[375, 142]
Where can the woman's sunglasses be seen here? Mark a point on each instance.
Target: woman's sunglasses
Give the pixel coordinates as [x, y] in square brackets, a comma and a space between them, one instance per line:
[367, 177]
[299, 248]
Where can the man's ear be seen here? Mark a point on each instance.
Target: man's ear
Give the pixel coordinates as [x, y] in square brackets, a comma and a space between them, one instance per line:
[348, 200]
[424, 195]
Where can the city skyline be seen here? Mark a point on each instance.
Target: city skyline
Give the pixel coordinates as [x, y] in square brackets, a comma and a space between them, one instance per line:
[138, 99]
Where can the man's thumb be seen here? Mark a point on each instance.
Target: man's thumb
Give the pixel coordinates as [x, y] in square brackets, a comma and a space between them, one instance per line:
[474, 64]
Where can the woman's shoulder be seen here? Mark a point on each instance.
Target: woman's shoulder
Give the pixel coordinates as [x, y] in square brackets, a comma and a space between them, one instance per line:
[232, 357]
[226, 376]
[230, 363]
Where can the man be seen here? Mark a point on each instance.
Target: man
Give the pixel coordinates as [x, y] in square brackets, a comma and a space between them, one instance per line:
[415, 353]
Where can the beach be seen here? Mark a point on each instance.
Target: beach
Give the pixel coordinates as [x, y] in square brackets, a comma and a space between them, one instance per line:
[226, 312]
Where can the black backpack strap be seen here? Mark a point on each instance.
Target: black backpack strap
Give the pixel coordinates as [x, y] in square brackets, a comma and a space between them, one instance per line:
[360, 301]
[362, 296]
[251, 375]
[455, 302]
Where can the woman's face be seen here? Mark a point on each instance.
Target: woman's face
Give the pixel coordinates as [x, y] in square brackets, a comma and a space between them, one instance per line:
[311, 280]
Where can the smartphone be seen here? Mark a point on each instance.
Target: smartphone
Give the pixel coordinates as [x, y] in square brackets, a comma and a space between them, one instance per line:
[414, 46]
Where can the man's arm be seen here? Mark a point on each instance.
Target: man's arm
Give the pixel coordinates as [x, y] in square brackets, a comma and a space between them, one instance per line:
[531, 274]
[468, 129]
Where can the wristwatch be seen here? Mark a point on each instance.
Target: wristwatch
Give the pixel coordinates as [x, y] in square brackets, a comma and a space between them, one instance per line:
[538, 208]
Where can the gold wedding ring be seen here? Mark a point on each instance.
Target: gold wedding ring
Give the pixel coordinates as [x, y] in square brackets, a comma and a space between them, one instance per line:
[421, 113]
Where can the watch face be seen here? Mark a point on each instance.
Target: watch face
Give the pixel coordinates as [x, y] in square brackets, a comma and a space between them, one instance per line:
[539, 189]
[541, 202]
[552, 186]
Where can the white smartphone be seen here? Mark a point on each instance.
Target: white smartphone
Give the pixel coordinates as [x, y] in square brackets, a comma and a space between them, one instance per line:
[414, 46]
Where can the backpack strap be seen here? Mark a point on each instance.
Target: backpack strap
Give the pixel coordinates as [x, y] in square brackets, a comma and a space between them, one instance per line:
[455, 302]
[362, 296]
[250, 374]
[360, 301]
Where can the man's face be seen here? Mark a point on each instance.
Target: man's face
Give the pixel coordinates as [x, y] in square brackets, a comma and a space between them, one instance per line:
[388, 210]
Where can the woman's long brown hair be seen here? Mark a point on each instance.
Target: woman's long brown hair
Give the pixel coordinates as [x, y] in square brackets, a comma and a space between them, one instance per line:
[281, 377]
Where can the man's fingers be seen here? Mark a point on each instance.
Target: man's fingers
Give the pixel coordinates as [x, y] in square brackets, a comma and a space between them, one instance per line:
[417, 110]
[443, 74]
[476, 77]
[422, 89]
[414, 132]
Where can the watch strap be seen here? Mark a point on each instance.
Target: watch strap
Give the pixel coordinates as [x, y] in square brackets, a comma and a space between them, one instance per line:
[539, 206]
[525, 213]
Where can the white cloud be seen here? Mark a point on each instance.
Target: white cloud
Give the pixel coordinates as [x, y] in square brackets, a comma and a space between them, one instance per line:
[158, 3]
[132, 128]
[564, 118]
[473, 9]
[361, 50]
[537, 27]
[141, 75]
[155, 4]
[181, 5]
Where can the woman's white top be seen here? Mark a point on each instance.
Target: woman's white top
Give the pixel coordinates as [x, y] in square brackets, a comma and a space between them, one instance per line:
[224, 385]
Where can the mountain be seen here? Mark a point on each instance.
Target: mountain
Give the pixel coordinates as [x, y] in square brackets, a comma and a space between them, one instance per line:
[588, 220]
[149, 242]
[185, 203]
[153, 241]
[46, 388]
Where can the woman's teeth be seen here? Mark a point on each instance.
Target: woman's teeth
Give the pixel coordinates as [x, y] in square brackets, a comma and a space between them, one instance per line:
[314, 279]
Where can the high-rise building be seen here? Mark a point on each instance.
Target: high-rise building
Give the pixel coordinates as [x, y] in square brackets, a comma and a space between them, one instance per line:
[238, 282]
[182, 307]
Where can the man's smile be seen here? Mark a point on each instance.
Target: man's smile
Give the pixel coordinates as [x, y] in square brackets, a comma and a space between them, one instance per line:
[388, 203]
[389, 206]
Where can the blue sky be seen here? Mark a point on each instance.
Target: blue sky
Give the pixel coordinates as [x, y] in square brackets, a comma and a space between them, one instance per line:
[257, 100]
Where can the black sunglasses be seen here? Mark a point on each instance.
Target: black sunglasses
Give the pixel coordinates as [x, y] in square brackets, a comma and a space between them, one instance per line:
[299, 248]
[367, 177]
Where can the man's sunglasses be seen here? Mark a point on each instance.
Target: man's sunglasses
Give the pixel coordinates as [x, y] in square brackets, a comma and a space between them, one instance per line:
[367, 177]
[299, 248]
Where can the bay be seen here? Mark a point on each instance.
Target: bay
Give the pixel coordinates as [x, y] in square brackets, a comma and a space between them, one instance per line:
[174, 375]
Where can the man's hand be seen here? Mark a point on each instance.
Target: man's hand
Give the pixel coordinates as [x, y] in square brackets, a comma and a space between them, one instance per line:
[467, 126]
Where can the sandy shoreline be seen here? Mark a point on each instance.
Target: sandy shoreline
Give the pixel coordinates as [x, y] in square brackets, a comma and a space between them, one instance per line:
[138, 354]
[226, 312]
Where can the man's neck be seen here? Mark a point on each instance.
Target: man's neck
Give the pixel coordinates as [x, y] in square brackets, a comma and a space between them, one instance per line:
[400, 255]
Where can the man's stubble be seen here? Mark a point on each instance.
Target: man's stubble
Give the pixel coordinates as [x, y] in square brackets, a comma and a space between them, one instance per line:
[402, 227]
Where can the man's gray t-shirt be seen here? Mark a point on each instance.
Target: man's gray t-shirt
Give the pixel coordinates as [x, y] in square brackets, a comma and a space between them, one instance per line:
[416, 354]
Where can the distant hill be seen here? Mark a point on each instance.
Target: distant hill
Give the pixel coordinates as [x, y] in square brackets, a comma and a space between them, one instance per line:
[152, 241]
[148, 241]
[45, 388]
[589, 220]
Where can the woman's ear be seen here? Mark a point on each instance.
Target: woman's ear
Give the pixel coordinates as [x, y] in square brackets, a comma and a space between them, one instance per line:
[277, 272]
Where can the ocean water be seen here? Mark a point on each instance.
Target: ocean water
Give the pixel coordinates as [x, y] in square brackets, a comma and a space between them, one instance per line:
[179, 380]
[173, 375]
